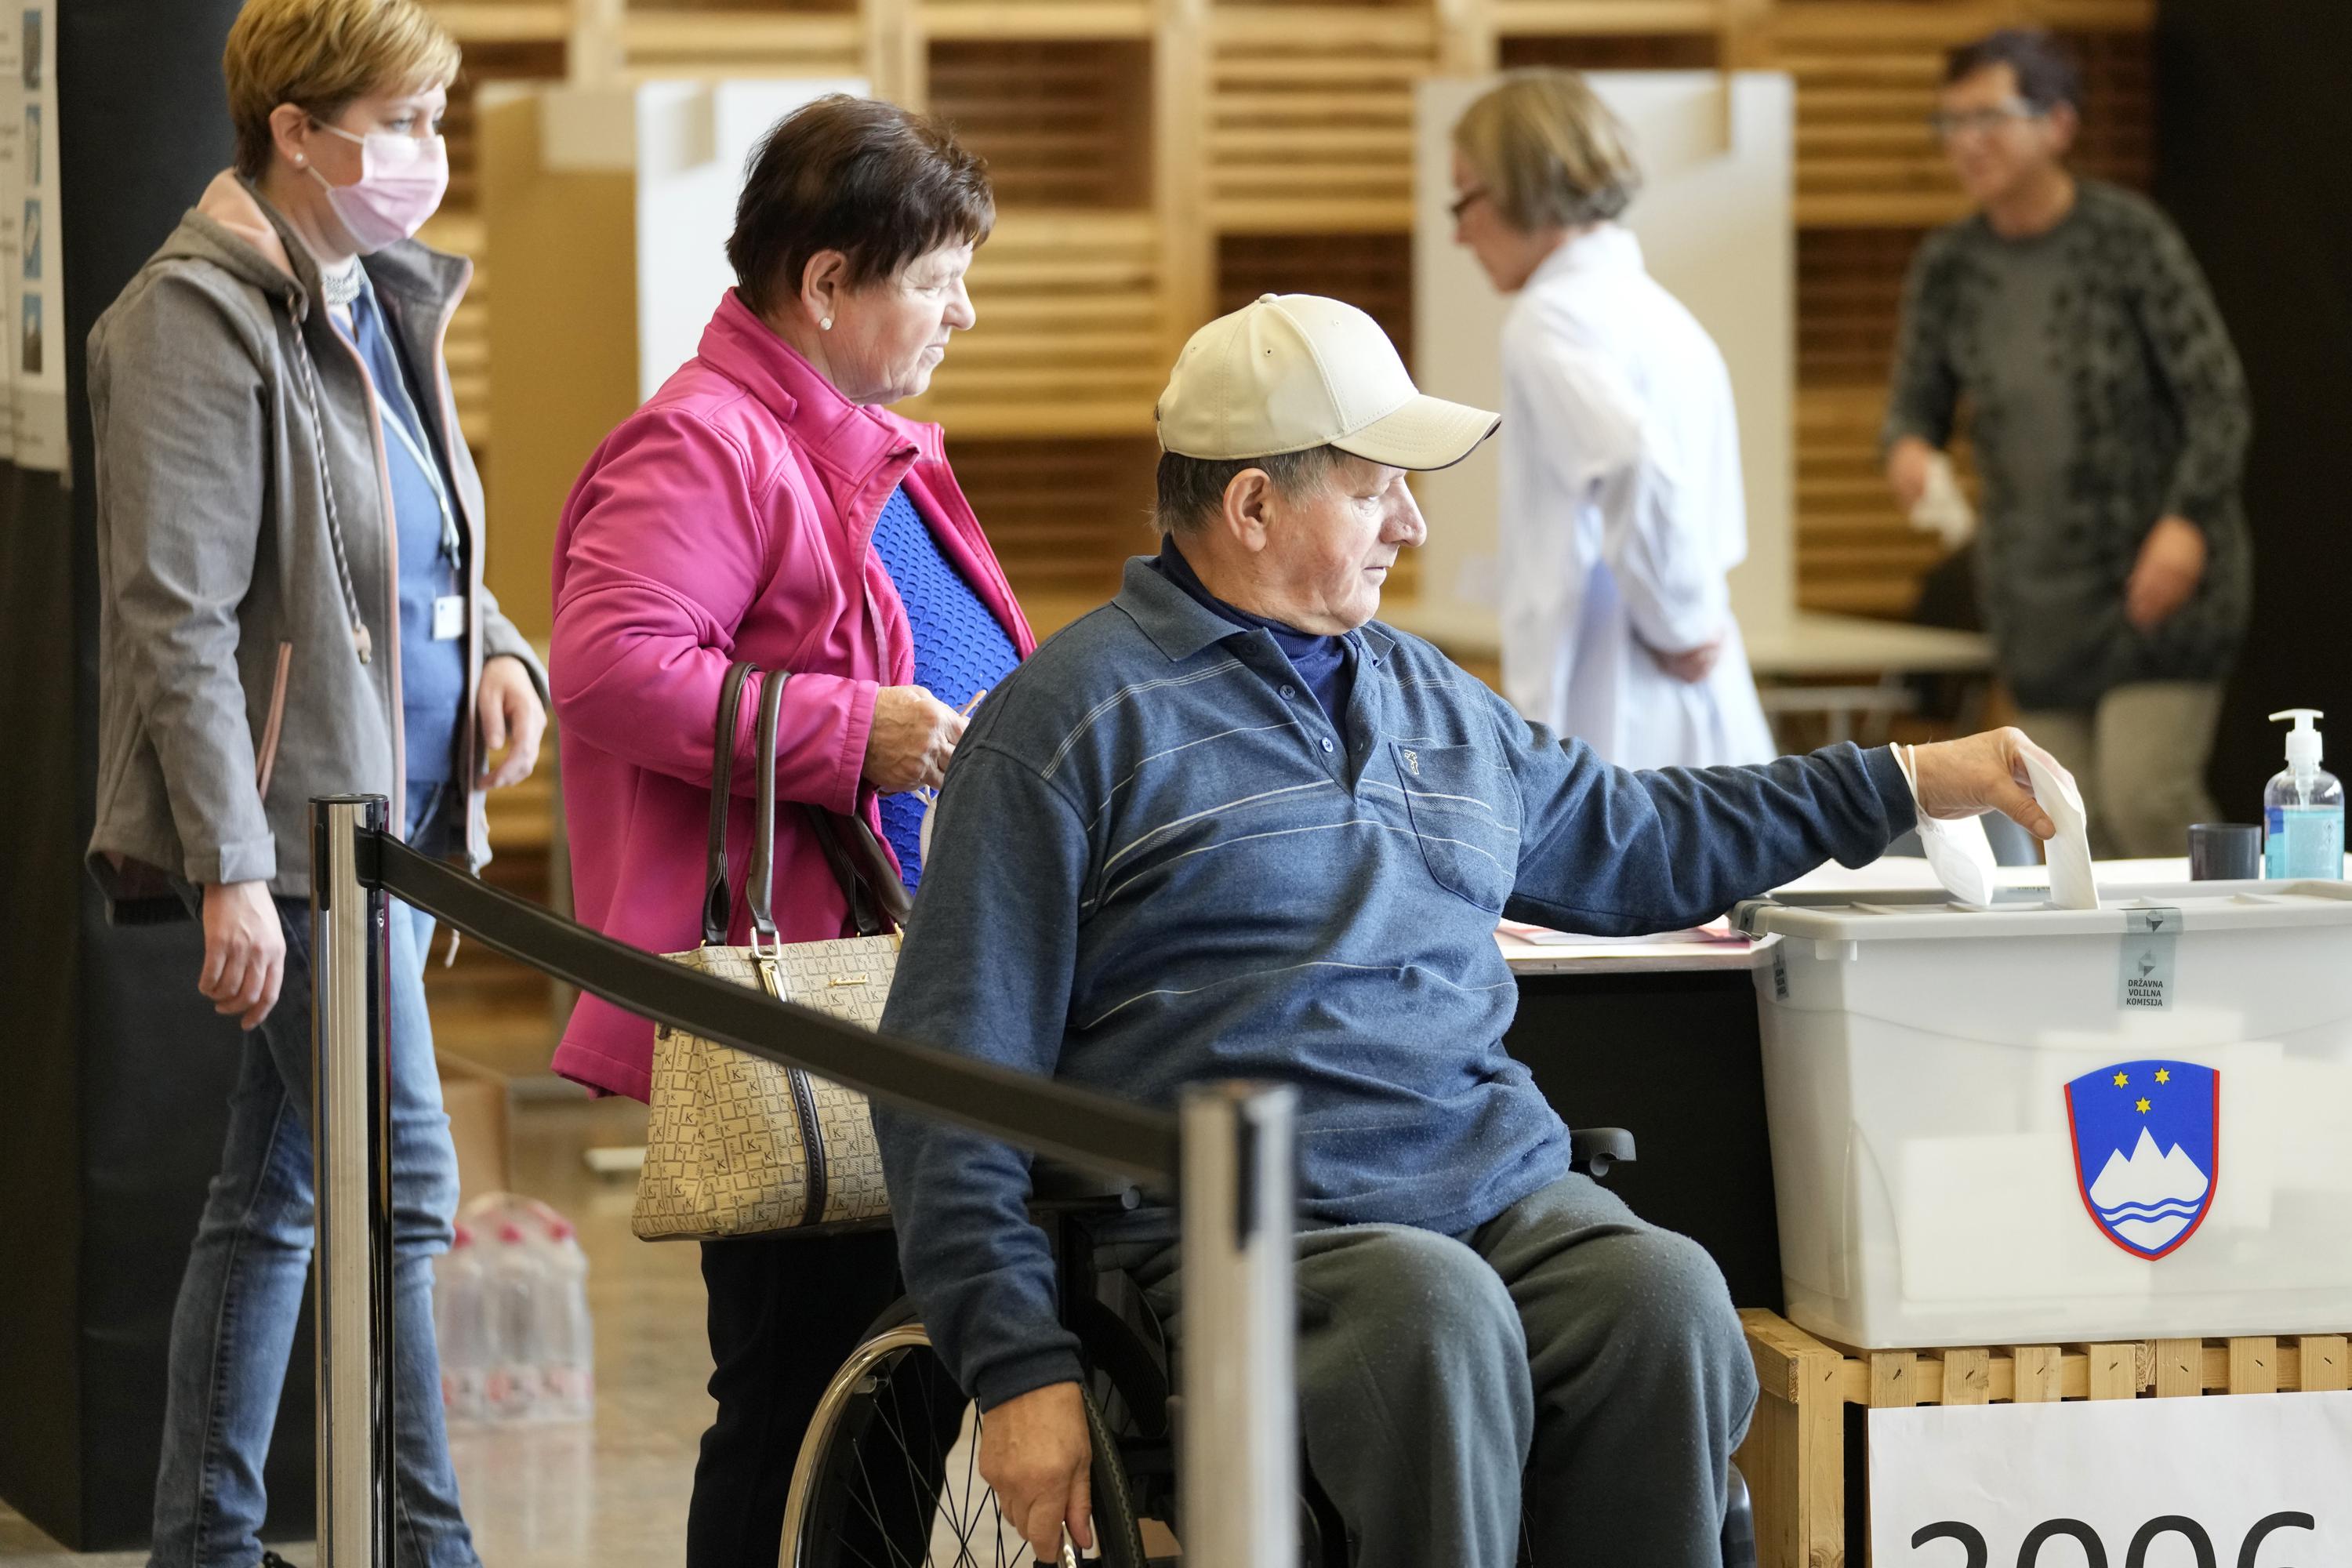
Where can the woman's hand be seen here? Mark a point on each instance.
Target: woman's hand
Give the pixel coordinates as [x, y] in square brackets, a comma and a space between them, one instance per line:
[245, 952]
[913, 736]
[2171, 564]
[1033, 1453]
[507, 705]
[1693, 665]
[1906, 470]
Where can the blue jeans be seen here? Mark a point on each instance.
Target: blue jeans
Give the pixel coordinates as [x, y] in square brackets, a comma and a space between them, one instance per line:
[234, 1326]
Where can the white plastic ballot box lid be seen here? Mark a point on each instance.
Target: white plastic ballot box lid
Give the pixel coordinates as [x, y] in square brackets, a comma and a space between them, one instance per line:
[1913, 915]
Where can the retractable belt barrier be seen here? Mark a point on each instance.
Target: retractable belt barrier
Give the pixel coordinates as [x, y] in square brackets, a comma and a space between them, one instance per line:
[1235, 1192]
[1079, 1125]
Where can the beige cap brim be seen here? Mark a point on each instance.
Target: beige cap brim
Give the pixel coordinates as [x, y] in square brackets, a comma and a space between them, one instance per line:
[1426, 433]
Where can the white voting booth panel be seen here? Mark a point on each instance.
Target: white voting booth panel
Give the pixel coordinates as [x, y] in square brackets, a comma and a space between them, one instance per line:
[606, 215]
[2023, 1124]
[687, 143]
[1713, 219]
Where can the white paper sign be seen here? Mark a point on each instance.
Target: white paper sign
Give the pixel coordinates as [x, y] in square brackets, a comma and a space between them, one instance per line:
[32, 297]
[2255, 1480]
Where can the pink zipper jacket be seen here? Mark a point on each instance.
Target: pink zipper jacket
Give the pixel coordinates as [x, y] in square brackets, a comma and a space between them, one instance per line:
[731, 518]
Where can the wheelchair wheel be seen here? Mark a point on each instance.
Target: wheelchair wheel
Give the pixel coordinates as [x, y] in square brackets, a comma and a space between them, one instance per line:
[888, 1474]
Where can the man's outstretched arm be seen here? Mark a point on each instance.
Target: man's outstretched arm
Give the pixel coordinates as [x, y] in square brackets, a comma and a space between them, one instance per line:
[1616, 852]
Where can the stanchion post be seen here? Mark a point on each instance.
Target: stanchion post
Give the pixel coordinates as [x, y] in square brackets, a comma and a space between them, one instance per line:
[1240, 1497]
[350, 1146]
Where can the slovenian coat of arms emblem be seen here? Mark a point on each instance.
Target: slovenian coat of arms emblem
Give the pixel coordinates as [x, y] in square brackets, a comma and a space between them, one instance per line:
[2146, 1151]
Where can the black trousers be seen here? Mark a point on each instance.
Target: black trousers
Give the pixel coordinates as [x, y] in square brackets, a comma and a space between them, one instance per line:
[784, 1315]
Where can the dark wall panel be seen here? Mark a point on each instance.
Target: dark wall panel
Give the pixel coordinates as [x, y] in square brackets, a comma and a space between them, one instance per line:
[116, 1076]
[40, 1226]
[2252, 123]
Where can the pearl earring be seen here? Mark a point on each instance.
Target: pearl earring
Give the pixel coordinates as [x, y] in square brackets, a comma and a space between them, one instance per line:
[826, 324]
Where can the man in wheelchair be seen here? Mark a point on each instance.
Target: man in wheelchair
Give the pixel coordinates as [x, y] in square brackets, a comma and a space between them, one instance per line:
[1230, 825]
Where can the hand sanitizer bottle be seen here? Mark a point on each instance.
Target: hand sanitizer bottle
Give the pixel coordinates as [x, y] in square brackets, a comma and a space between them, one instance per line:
[2303, 809]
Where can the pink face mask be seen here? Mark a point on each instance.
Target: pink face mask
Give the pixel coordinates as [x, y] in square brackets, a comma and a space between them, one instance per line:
[402, 181]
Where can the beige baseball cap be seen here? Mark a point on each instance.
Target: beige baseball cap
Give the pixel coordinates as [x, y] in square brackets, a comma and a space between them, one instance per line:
[1289, 372]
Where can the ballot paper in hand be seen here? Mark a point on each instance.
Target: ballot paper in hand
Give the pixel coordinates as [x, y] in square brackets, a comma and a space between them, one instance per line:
[1960, 856]
[2068, 853]
[1943, 509]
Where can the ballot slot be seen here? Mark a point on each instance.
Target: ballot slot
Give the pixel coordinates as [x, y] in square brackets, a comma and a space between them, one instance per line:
[1944, 1171]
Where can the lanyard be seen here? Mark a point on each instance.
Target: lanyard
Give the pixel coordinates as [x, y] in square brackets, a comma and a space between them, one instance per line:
[452, 544]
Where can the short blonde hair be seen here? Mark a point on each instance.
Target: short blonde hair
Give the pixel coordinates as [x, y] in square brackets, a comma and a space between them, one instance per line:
[1548, 149]
[319, 55]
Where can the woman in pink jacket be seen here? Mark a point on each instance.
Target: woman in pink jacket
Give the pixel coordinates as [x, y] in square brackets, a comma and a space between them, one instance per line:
[763, 505]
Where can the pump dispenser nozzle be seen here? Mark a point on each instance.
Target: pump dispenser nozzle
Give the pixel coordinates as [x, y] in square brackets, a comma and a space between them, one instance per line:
[2303, 741]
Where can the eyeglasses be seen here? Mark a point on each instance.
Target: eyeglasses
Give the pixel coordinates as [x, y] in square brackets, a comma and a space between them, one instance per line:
[1466, 201]
[1949, 123]
[420, 128]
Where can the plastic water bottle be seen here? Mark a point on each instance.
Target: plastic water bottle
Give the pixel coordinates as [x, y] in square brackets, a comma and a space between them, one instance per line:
[458, 1325]
[566, 1338]
[510, 1294]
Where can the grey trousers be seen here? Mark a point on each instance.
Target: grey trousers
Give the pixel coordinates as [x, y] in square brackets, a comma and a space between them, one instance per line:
[1565, 1358]
[2139, 758]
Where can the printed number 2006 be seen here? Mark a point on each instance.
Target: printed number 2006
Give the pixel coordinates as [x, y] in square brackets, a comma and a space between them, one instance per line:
[2094, 1550]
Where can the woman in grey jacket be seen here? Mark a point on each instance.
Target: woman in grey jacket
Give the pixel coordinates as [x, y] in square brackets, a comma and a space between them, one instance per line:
[290, 556]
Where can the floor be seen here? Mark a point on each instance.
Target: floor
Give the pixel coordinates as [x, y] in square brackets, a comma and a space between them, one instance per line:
[584, 1497]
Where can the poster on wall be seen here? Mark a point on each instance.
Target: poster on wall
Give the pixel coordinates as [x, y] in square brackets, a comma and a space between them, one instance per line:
[32, 367]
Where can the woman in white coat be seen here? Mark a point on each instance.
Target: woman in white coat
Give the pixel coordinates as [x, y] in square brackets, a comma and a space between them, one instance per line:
[1621, 500]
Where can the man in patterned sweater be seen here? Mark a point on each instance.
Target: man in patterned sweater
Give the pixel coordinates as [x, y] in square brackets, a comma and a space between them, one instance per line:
[1230, 825]
[2108, 416]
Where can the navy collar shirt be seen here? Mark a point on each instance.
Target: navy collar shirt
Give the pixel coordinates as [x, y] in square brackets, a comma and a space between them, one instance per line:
[1157, 860]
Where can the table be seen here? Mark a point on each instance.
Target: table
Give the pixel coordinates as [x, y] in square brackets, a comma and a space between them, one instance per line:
[1850, 669]
[1661, 1037]
[1806, 644]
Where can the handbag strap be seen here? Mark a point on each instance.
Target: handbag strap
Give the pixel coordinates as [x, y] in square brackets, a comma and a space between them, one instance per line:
[716, 904]
[759, 888]
[877, 900]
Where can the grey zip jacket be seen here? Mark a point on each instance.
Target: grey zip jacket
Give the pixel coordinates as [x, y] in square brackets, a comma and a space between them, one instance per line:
[249, 629]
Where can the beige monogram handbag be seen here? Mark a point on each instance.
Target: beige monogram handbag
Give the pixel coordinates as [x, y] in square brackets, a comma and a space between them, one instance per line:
[737, 1145]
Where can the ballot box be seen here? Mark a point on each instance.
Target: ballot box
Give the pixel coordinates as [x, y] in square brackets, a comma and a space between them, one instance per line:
[2021, 1124]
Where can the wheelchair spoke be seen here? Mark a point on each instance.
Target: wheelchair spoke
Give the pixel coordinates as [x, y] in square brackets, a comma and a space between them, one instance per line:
[996, 1513]
[897, 1427]
[913, 1382]
[953, 1504]
[872, 1512]
[926, 1509]
[980, 1497]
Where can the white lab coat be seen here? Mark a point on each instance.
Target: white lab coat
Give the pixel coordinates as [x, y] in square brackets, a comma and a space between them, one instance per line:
[1621, 514]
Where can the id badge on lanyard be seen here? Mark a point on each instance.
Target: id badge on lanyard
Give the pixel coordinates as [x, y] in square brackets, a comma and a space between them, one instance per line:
[448, 610]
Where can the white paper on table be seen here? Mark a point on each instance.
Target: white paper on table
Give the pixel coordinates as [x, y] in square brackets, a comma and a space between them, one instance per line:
[1717, 934]
[1961, 857]
[2068, 854]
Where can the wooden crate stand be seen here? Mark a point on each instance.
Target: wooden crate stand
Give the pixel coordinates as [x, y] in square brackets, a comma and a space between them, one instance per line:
[1794, 1457]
